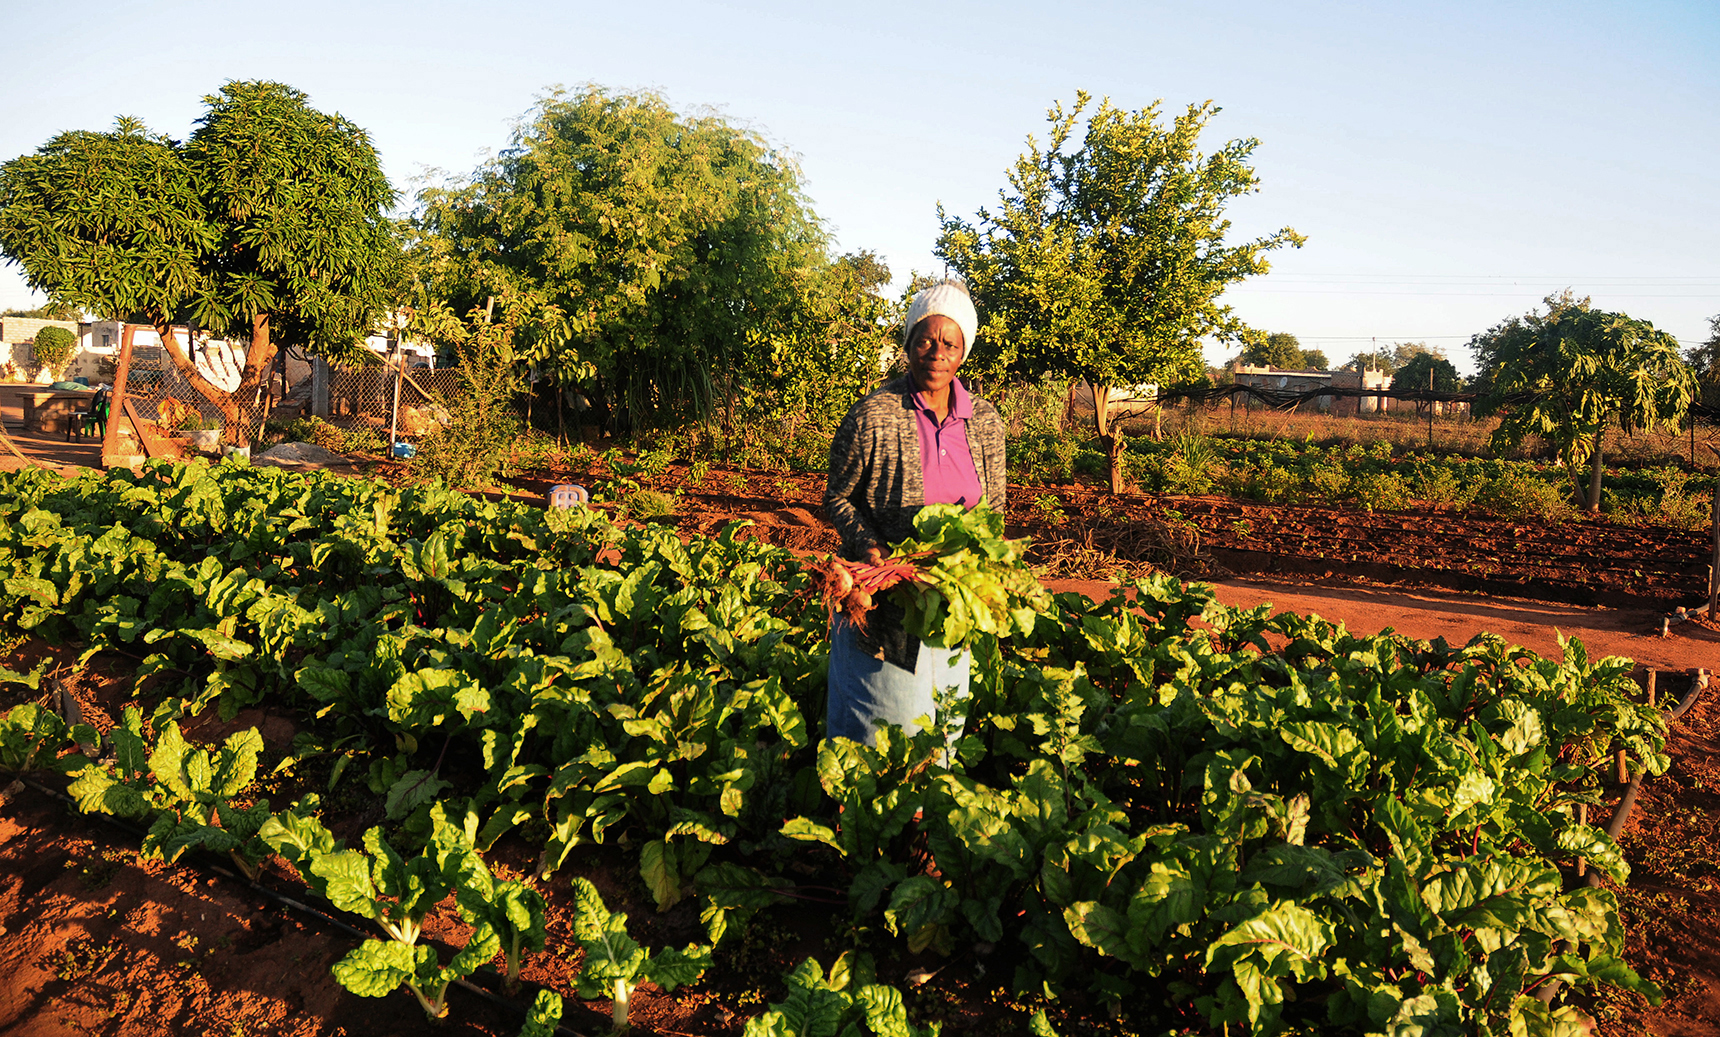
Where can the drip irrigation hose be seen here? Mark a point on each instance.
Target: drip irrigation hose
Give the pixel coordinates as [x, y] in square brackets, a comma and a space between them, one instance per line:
[1550, 989]
[599, 1023]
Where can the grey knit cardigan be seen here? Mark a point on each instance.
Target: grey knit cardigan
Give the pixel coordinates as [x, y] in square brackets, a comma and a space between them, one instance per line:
[876, 485]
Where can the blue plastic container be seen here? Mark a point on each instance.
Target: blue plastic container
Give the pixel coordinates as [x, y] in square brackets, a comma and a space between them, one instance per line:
[568, 495]
[405, 450]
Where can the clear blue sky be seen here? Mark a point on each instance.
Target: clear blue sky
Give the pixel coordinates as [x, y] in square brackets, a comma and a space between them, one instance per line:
[1451, 163]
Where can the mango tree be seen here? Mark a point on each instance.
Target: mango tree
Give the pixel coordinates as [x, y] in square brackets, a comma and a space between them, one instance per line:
[266, 227]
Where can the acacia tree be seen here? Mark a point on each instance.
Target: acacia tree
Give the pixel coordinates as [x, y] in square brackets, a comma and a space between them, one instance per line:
[266, 227]
[1105, 261]
[655, 246]
[1569, 374]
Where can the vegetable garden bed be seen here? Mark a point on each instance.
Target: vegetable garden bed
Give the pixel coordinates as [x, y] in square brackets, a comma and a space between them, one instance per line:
[1151, 822]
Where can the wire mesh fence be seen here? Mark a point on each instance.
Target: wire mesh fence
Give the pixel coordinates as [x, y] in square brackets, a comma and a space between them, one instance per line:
[168, 409]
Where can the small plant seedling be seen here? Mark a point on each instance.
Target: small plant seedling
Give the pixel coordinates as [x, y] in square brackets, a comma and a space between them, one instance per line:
[1051, 506]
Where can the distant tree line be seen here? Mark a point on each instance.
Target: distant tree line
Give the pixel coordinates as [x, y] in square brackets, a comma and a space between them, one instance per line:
[669, 266]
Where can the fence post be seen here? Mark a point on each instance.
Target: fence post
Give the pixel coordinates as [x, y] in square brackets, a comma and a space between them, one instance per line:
[1714, 563]
[319, 387]
[394, 411]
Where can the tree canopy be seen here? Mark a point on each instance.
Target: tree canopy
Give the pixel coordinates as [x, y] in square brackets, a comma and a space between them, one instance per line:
[1414, 374]
[1569, 374]
[655, 248]
[1107, 254]
[267, 226]
[1283, 351]
[1704, 361]
[1390, 358]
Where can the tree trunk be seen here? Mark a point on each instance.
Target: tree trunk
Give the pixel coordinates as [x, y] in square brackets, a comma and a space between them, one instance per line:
[238, 407]
[116, 403]
[1108, 439]
[1595, 467]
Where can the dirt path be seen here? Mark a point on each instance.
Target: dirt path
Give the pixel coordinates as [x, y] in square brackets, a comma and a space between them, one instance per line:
[1457, 617]
[52, 451]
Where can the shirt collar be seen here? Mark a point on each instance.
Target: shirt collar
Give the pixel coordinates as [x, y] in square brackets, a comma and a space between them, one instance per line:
[961, 402]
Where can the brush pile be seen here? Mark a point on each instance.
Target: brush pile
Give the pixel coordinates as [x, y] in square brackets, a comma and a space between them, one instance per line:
[958, 579]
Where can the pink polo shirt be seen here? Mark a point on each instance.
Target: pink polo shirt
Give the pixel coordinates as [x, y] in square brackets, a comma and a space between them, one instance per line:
[946, 463]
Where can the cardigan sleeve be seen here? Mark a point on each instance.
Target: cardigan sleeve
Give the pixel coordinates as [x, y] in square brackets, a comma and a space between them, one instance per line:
[988, 426]
[844, 492]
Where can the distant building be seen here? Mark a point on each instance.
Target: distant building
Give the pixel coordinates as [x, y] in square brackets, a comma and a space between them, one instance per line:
[16, 336]
[1305, 381]
[1123, 401]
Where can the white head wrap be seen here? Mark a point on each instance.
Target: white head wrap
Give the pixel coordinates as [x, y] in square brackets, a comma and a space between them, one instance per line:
[944, 299]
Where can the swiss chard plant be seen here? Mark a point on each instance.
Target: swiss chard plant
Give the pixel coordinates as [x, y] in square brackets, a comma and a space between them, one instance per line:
[396, 892]
[31, 738]
[614, 962]
[848, 1002]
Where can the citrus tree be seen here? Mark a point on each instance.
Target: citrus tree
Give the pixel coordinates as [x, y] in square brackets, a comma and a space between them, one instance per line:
[1569, 374]
[1106, 256]
[266, 227]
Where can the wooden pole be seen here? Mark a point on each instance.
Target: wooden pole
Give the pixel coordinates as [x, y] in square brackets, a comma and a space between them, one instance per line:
[394, 415]
[111, 457]
[1714, 562]
[1650, 687]
[1430, 408]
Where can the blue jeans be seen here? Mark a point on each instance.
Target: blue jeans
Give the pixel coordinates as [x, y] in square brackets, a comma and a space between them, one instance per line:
[864, 689]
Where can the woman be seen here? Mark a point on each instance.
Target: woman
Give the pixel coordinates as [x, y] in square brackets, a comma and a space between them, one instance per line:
[919, 439]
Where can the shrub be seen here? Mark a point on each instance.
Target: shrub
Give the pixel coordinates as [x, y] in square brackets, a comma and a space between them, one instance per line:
[53, 348]
[1437, 484]
[1514, 495]
[1381, 491]
[477, 443]
[649, 504]
[1668, 501]
[1328, 482]
[1273, 485]
[1191, 465]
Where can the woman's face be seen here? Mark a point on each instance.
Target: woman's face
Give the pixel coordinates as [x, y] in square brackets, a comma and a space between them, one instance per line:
[935, 351]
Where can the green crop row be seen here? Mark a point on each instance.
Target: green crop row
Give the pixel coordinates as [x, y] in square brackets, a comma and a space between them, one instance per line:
[1146, 801]
[1285, 471]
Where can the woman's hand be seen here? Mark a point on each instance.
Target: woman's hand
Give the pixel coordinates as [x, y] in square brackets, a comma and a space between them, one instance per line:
[875, 555]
